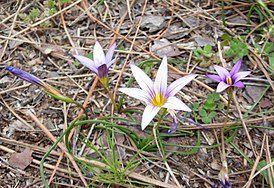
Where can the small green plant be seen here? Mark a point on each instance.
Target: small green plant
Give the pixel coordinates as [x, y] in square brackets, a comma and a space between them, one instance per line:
[31, 17]
[51, 5]
[204, 55]
[237, 50]
[208, 110]
[34, 14]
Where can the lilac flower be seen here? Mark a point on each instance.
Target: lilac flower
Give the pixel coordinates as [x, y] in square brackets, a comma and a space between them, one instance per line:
[25, 76]
[225, 184]
[31, 78]
[36, 81]
[228, 79]
[100, 63]
[157, 94]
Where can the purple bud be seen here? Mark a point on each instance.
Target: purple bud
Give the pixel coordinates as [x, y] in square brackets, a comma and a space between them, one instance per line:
[25, 76]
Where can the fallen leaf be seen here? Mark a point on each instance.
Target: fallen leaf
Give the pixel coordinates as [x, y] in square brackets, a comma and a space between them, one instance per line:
[202, 41]
[164, 47]
[21, 160]
[266, 103]
[153, 23]
[254, 92]
[215, 165]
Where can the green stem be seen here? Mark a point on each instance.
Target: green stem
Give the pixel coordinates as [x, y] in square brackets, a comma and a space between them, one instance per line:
[111, 98]
[82, 107]
[163, 113]
[223, 156]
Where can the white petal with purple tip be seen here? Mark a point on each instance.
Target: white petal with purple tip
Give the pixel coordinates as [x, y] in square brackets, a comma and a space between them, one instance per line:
[98, 54]
[160, 83]
[149, 113]
[143, 80]
[176, 104]
[110, 54]
[177, 85]
[87, 62]
[136, 93]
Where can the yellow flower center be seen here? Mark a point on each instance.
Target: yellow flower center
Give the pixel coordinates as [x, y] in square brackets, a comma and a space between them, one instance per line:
[229, 80]
[158, 99]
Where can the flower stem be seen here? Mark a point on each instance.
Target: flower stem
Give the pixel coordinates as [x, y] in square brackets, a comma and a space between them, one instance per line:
[163, 113]
[160, 145]
[111, 98]
[223, 156]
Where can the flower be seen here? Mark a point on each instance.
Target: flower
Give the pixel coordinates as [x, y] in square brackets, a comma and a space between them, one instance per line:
[157, 94]
[225, 184]
[36, 81]
[228, 79]
[100, 63]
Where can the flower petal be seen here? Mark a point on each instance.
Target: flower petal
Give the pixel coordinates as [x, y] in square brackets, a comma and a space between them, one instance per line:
[177, 85]
[110, 54]
[111, 62]
[149, 113]
[160, 83]
[239, 84]
[240, 75]
[236, 68]
[87, 62]
[223, 73]
[142, 79]
[98, 54]
[221, 87]
[136, 93]
[217, 78]
[176, 104]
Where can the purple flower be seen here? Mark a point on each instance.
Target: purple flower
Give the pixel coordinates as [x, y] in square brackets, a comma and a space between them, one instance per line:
[25, 76]
[228, 79]
[36, 81]
[157, 94]
[101, 62]
[225, 184]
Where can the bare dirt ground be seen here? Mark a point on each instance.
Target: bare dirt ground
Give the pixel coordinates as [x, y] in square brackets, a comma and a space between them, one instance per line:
[40, 37]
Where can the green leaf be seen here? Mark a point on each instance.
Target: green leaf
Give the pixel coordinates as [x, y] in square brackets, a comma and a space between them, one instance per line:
[76, 63]
[237, 50]
[34, 14]
[212, 114]
[271, 60]
[90, 56]
[269, 47]
[202, 113]
[206, 120]
[264, 173]
[221, 106]
[195, 106]
[210, 106]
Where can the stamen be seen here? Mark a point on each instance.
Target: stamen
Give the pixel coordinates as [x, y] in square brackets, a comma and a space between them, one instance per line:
[158, 99]
[229, 80]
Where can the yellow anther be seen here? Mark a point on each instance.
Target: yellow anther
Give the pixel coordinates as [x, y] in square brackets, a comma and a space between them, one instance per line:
[229, 80]
[158, 99]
